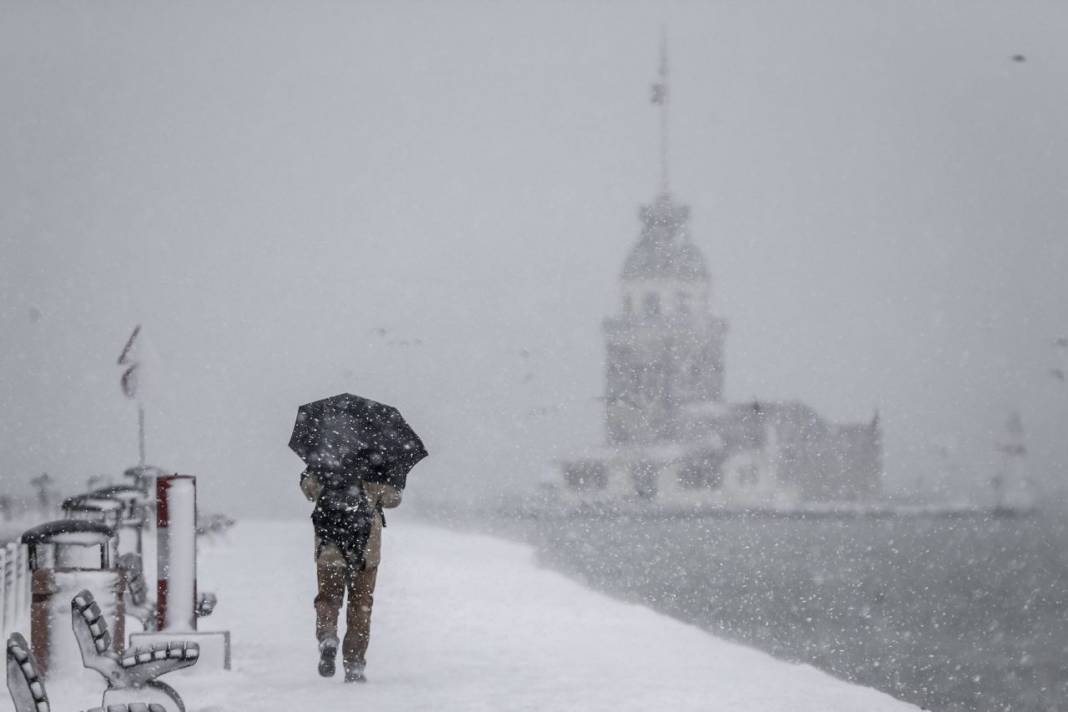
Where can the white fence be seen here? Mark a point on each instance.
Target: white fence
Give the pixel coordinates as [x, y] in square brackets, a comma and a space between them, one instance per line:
[14, 590]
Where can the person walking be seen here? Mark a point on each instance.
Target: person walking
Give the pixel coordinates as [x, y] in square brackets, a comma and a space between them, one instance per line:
[338, 570]
[358, 454]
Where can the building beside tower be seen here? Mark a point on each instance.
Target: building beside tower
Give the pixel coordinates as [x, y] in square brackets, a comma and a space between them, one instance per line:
[672, 442]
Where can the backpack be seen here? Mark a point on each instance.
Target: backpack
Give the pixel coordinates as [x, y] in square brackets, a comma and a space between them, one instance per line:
[344, 517]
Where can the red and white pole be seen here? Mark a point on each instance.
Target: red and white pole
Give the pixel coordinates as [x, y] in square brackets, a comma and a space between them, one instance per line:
[176, 554]
[176, 567]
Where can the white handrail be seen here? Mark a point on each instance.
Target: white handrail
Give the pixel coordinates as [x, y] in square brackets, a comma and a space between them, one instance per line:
[14, 589]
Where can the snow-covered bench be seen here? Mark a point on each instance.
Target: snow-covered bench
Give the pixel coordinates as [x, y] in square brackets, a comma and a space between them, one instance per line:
[131, 677]
[27, 688]
[138, 603]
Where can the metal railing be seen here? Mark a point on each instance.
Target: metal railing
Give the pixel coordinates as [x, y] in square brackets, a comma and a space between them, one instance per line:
[14, 589]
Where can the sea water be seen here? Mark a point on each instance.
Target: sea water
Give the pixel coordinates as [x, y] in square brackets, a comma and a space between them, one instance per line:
[950, 614]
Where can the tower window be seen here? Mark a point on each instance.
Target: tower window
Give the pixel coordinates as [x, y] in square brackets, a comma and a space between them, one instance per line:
[586, 476]
[651, 304]
[703, 470]
[644, 476]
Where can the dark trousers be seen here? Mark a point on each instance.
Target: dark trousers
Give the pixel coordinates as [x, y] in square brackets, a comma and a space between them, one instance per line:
[335, 577]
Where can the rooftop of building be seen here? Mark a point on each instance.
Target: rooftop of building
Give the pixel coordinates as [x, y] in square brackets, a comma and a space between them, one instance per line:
[664, 249]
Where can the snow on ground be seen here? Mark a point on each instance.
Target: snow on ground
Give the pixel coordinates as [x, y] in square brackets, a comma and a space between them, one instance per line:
[471, 623]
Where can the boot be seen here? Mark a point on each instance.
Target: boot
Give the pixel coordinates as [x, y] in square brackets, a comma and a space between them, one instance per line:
[327, 655]
[354, 672]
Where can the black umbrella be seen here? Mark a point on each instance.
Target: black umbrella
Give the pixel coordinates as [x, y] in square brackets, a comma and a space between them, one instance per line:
[351, 438]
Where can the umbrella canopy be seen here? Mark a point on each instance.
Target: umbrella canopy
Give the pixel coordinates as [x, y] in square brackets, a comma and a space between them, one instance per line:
[354, 438]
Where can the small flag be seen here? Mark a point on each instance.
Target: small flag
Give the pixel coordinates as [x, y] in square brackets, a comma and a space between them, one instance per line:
[129, 381]
[659, 93]
[129, 358]
[127, 355]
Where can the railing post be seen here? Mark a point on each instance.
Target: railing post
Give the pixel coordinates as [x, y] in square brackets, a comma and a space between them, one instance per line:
[22, 581]
[176, 573]
[13, 581]
[3, 591]
[15, 588]
[10, 586]
[176, 555]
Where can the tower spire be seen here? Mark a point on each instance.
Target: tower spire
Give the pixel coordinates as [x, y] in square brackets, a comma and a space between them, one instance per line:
[661, 97]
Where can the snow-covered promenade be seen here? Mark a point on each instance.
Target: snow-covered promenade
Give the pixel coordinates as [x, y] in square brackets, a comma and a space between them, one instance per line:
[471, 623]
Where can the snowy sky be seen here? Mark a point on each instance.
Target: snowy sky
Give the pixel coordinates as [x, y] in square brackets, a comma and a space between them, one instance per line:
[879, 188]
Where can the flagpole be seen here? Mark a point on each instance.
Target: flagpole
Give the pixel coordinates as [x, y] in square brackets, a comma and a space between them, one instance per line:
[663, 98]
[141, 432]
[132, 363]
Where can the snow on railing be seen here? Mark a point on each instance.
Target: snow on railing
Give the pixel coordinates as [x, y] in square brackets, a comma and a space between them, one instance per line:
[14, 588]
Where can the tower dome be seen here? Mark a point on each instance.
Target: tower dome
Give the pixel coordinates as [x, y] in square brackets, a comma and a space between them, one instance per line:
[664, 250]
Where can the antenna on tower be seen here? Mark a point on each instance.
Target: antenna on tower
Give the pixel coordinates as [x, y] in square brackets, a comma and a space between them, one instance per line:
[660, 97]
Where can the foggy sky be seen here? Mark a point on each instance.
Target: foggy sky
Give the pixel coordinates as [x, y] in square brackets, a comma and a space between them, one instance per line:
[878, 187]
